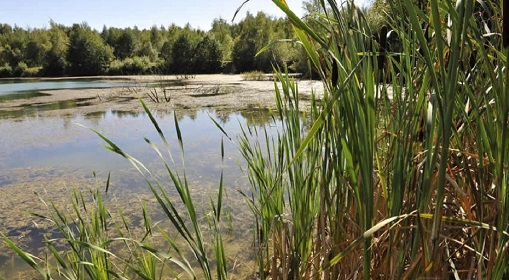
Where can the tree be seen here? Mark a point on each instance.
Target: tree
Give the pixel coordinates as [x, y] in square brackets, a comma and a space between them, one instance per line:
[255, 33]
[56, 61]
[14, 44]
[125, 45]
[5, 29]
[166, 55]
[207, 56]
[221, 31]
[88, 54]
[182, 55]
[36, 48]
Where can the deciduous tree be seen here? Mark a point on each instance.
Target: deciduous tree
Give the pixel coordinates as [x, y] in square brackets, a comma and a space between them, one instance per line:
[88, 54]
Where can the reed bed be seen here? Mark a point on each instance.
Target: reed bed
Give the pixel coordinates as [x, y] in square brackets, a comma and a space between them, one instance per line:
[403, 173]
[398, 171]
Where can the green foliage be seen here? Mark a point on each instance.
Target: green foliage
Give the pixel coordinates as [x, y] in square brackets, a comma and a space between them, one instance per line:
[253, 76]
[221, 31]
[6, 71]
[79, 50]
[55, 62]
[13, 46]
[101, 246]
[87, 55]
[5, 29]
[132, 66]
[377, 15]
[37, 48]
[182, 55]
[23, 70]
[125, 45]
[255, 33]
[405, 179]
[207, 56]
[166, 56]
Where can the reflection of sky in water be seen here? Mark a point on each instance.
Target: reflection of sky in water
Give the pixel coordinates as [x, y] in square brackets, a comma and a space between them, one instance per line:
[61, 144]
[51, 155]
[13, 86]
[36, 152]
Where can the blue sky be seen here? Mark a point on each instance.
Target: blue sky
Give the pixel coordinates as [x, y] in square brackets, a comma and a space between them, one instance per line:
[128, 13]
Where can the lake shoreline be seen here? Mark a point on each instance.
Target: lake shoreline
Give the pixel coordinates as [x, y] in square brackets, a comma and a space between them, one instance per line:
[218, 91]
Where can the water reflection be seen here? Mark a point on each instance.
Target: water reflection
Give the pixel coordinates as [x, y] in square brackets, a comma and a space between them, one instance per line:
[59, 142]
[21, 95]
[49, 155]
[12, 89]
[17, 86]
[33, 108]
[113, 113]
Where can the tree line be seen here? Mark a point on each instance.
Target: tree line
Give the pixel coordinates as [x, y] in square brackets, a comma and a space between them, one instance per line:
[79, 50]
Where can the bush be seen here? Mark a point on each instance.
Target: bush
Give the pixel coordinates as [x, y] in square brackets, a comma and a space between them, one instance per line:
[253, 76]
[22, 70]
[5, 71]
[131, 66]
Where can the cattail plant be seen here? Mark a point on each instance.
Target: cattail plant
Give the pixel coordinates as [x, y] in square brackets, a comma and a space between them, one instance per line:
[404, 176]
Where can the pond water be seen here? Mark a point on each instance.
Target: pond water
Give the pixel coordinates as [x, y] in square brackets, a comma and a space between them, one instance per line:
[51, 155]
[15, 88]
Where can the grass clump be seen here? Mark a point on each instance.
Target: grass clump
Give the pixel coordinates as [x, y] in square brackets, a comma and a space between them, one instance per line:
[132, 66]
[253, 76]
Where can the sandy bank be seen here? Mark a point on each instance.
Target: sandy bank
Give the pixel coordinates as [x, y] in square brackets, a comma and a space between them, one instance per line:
[228, 92]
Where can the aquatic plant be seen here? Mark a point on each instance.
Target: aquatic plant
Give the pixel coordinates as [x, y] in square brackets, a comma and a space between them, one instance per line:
[406, 178]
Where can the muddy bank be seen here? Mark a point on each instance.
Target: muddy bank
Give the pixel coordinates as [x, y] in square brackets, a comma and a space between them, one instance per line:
[165, 93]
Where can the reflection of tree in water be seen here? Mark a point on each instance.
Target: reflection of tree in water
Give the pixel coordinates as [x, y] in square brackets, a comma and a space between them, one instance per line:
[123, 114]
[190, 113]
[223, 117]
[68, 121]
[96, 117]
[257, 117]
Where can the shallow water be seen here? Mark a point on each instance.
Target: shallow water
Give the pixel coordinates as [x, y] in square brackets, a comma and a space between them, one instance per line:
[52, 155]
[12, 88]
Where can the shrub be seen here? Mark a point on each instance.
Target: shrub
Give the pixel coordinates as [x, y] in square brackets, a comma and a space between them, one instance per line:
[6, 71]
[132, 66]
[22, 70]
[253, 76]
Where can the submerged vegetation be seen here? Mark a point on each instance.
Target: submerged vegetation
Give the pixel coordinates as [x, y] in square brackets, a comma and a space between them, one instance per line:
[398, 171]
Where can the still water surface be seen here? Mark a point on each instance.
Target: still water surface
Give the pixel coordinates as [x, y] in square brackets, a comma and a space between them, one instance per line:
[50, 154]
[12, 87]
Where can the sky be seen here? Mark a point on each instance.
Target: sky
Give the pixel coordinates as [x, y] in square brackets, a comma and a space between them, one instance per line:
[130, 13]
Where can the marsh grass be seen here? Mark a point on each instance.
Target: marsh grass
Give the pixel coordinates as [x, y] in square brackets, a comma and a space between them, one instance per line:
[406, 178]
[253, 76]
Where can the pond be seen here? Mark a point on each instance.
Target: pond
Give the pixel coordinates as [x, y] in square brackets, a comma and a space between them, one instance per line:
[19, 88]
[53, 155]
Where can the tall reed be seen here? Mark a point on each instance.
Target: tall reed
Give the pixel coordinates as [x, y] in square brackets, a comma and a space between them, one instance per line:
[403, 173]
